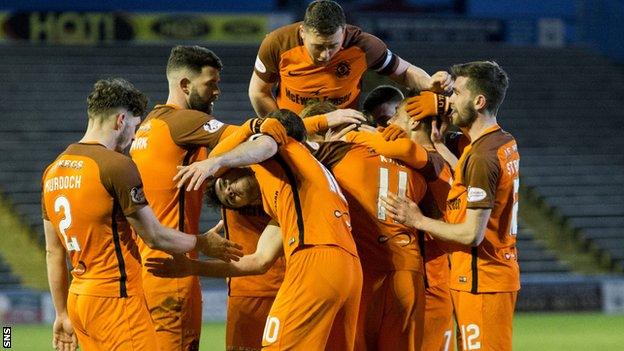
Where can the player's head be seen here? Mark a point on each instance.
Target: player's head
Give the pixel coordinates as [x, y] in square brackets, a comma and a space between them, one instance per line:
[292, 123]
[236, 188]
[381, 103]
[314, 109]
[323, 30]
[195, 72]
[118, 104]
[409, 124]
[479, 87]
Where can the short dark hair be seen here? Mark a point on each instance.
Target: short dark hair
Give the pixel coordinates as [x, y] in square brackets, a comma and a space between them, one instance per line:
[115, 93]
[212, 200]
[486, 78]
[325, 17]
[380, 95]
[193, 58]
[316, 108]
[293, 124]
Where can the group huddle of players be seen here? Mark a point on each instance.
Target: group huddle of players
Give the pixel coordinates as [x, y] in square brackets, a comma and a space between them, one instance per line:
[343, 230]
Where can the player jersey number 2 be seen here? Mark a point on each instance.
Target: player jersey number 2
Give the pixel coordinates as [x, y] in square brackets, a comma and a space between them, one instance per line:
[62, 204]
[383, 182]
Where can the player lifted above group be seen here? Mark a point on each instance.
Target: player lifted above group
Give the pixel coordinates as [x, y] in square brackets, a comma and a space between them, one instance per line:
[345, 230]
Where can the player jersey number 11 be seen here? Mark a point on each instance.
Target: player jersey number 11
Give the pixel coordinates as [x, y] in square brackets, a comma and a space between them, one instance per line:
[383, 183]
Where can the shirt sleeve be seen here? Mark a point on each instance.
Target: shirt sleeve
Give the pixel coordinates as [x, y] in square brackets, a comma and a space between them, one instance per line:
[402, 149]
[267, 61]
[123, 182]
[193, 128]
[481, 177]
[378, 57]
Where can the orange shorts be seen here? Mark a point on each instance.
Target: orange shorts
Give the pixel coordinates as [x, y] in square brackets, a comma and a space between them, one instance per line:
[246, 317]
[316, 307]
[438, 319]
[175, 305]
[484, 321]
[111, 323]
[391, 311]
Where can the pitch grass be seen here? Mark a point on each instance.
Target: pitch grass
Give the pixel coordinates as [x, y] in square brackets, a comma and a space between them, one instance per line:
[532, 331]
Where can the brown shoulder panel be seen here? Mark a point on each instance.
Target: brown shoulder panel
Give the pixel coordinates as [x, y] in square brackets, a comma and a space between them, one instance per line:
[378, 57]
[330, 153]
[274, 44]
[193, 128]
[118, 174]
[435, 165]
[483, 169]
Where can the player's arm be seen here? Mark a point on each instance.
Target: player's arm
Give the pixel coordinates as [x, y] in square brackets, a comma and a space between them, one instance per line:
[261, 96]
[63, 332]
[320, 123]
[159, 237]
[470, 232]
[403, 149]
[269, 248]
[411, 76]
[247, 153]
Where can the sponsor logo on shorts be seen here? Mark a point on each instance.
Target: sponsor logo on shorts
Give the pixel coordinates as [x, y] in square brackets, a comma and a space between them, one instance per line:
[476, 194]
[213, 125]
[137, 195]
[291, 241]
[463, 279]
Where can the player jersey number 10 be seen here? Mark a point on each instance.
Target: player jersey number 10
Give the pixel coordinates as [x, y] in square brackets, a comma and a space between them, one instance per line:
[62, 204]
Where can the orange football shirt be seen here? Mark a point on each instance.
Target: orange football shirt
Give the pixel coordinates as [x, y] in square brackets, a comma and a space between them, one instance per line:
[305, 199]
[86, 194]
[282, 57]
[487, 176]
[365, 176]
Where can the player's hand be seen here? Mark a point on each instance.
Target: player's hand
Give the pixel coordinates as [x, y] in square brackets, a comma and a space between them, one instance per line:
[271, 127]
[214, 245]
[441, 82]
[402, 210]
[438, 133]
[176, 266]
[344, 116]
[196, 173]
[427, 104]
[63, 336]
[393, 132]
[332, 135]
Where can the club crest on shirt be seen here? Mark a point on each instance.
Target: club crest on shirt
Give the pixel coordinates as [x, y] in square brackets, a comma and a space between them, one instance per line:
[343, 69]
[137, 195]
[213, 125]
[476, 194]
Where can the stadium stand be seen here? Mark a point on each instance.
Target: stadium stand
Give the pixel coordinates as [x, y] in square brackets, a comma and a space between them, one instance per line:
[561, 113]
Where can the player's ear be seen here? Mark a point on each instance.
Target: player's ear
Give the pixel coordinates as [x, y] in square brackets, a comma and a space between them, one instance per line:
[120, 119]
[480, 102]
[185, 85]
[301, 31]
